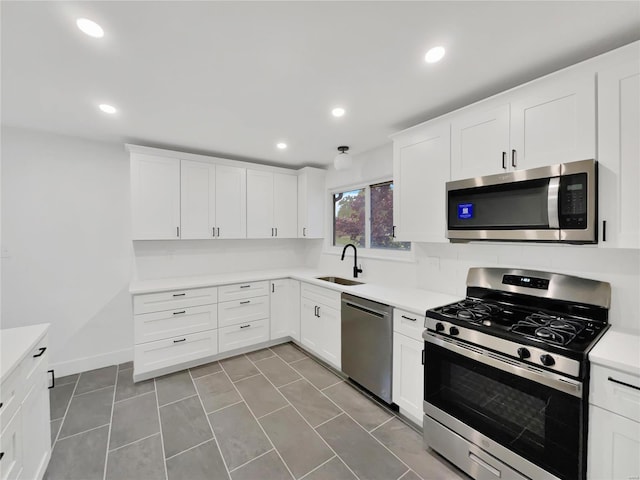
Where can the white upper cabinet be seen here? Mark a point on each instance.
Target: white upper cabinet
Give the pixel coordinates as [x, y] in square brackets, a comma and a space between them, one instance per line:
[213, 200]
[272, 205]
[155, 197]
[197, 199]
[420, 171]
[480, 142]
[311, 200]
[547, 122]
[231, 202]
[619, 154]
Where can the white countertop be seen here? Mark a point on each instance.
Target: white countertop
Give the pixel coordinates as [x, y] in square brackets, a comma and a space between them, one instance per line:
[414, 300]
[16, 343]
[618, 349]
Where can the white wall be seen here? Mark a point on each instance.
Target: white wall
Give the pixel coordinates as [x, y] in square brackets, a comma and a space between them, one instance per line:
[443, 267]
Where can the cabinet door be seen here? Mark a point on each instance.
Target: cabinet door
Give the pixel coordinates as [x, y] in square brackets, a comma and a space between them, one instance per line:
[480, 143]
[408, 376]
[330, 331]
[260, 204]
[197, 199]
[554, 121]
[311, 200]
[285, 205]
[155, 197]
[310, 334]
[36, 428]
[231, 202]
[614, 443]
[618, 154]
[285, 309]
[11, 442]
[420, 171]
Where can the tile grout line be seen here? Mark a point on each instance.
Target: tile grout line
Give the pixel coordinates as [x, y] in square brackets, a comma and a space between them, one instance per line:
[131, 443]
[314, 430]
[329, 386]
[248, 462]
[84, 431]
[291, 383]
[191, 448]
[179, 400]
[113, 407]
[134, 396]
[164, 457]
[274, 411]
[318, 467]
[246, 378]
[404, 474]
[222, 408]
[96, 390]
[64, 417]
[259, 424]
[206, 415]
[383, 423]
[290, 368]
[204, 376]
[327, 421]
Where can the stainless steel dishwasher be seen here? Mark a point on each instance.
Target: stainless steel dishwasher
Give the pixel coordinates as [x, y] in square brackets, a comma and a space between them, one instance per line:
[367, 344]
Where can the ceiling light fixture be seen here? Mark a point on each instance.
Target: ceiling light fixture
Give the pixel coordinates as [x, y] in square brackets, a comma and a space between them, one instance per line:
[342, 161]
[338, 112]
[434, 55]
[90, 27]
[107, 108]
[281, 145]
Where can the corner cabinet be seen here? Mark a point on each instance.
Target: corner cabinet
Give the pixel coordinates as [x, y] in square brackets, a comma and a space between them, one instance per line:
[272, 200]
[543, 123]
[311, 200]
[285, 308]
[420, 171]
[155, 197]
[619, 154]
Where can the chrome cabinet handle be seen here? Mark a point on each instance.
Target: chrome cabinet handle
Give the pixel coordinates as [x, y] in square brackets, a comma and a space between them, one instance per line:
[409, 318]
[41, 352]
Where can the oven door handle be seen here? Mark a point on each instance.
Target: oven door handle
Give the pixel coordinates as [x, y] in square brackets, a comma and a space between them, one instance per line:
[552, 202]
[506, 364]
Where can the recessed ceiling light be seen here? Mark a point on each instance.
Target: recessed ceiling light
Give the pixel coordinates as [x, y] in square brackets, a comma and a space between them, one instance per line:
[281, 145]
[434, 55]
[338, 112]
[90, 27]
[107, 108]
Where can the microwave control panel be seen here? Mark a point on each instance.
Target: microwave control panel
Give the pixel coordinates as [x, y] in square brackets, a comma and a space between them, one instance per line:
[573, 201]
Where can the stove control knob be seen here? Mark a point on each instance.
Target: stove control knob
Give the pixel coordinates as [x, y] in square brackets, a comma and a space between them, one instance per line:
[547, 360]
[454, 331]
[439, 327]
[523, 353]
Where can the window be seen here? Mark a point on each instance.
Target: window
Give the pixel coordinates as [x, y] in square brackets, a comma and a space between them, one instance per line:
[364, 217]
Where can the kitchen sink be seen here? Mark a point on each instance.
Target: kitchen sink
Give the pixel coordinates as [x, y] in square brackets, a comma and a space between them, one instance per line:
[340, 281]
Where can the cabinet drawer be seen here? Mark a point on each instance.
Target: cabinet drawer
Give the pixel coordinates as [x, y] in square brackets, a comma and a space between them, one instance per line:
[409, 324]
[10, 396]
[607, 391]
[35, 362]
[243, 335]
[242, 311]
[241, 291]
[11, 445]
[168, 324]
[326, 296]
[176, 299]
[166, 353]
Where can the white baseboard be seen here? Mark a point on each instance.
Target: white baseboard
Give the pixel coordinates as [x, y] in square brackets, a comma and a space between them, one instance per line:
[78, 365]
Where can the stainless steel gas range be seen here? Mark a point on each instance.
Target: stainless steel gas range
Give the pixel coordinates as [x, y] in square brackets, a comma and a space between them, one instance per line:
[506, 373]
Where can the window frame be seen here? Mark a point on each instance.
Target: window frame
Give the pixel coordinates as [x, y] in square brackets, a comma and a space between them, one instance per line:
[366, 251]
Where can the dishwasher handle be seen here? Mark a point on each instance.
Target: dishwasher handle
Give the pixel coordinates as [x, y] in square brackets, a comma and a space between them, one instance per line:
[365, 309]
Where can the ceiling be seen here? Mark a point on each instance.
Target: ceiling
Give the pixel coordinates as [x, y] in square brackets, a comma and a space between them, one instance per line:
[234, 78]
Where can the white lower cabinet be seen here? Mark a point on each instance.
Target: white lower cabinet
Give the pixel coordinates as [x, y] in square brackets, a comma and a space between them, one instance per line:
[149, 327]
[243, 335]
[242, 311]
[11, 447]
[285, 309]
[320, 323]
[36, 428]
[408, 369]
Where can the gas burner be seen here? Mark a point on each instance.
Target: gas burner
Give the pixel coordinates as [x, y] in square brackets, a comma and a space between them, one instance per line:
[551, 335]
[550, 328]
[471, 310]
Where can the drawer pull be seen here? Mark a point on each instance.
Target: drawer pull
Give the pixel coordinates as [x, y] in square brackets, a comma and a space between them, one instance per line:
[41, 352]
[1, 404]
[245, 302]
[409, 318]
[53, 379]
[245, 326]
[179, 294]
[245, 286]
[181, 340]
[1, 455]
[623, 383]
[180, 312]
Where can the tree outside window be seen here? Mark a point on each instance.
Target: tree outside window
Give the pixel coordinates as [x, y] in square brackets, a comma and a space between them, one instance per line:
[349, 218]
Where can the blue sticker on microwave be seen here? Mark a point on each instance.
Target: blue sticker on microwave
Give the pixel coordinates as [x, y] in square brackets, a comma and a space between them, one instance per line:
[465, 211]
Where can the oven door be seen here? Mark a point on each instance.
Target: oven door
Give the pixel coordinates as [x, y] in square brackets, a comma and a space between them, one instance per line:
[535, 414]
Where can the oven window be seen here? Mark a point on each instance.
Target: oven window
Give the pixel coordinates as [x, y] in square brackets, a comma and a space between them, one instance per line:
[537, 422]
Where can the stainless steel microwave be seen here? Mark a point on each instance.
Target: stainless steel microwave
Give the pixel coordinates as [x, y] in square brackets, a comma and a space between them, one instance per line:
[557, 203]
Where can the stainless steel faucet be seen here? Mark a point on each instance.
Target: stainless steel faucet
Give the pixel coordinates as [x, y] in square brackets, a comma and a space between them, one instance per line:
[356, 269]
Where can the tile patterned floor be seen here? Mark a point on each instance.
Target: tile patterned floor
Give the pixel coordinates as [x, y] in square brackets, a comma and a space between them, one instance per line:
[268, 415]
